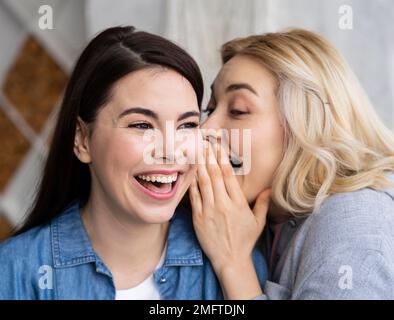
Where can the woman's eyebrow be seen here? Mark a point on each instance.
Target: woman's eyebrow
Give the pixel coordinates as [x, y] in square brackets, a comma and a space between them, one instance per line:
[236, 86]
[154, 115]
[139, 110]
[188, 115]
[240, 86]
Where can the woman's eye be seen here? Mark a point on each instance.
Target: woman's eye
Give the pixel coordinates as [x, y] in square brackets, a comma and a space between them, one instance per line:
[236, 112]
[189, 125]
[141, 125]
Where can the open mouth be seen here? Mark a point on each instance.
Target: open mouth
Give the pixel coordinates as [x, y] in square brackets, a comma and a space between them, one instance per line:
[236, 163]
[160, 186]
[158, 183]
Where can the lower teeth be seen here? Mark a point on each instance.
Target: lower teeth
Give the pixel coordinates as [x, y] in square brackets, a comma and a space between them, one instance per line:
[156, 186]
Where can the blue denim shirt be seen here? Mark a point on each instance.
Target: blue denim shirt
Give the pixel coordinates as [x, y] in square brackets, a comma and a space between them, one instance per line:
[57, 261]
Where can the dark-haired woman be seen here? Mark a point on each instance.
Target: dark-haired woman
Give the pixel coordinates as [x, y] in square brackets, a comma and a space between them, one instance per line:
[107, 223]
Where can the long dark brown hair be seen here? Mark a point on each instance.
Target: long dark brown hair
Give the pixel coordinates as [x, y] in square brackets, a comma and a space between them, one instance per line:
[110, 56]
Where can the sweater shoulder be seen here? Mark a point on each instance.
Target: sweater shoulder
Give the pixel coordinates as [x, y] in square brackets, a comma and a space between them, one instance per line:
[362, 219]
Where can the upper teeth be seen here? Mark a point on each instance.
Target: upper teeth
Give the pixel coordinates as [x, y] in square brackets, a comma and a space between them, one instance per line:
[161, 179]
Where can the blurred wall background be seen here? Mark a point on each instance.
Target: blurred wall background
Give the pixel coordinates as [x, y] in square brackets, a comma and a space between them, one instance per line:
[35, 64]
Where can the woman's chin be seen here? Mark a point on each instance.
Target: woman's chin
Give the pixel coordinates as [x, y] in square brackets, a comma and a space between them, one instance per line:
[149, 213]
[163, 216]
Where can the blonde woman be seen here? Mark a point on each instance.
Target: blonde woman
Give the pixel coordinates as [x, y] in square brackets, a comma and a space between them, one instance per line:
[323, 157]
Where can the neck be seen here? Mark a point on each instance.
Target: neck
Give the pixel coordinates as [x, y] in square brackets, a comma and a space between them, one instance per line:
[129, 248]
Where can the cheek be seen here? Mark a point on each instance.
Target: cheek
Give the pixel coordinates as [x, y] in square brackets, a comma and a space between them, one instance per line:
[264, 141]
[268, 147]
[117, 150]
[189, 176]
[190, 147]
[266, 155]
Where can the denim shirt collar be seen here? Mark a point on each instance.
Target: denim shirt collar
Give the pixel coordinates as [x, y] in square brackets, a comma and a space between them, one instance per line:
[71, 245]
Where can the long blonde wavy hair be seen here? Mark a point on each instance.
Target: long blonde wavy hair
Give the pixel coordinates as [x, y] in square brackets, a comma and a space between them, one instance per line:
[334, 140]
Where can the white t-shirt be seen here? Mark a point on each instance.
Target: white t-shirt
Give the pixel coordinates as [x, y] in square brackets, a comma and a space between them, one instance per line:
[146, 290]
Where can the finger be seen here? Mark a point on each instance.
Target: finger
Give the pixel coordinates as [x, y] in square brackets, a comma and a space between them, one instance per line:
[195, 197]
[215, 174]
[231, 183]
[260, 208]
[204, 181]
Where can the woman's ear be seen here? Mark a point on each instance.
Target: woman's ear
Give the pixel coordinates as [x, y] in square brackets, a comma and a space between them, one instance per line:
[81, 142]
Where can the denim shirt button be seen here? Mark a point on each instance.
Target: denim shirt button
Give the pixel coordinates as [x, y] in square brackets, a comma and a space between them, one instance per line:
[163, 280]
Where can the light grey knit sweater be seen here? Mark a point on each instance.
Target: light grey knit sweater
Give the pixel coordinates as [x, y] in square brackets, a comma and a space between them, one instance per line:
[344, 250]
